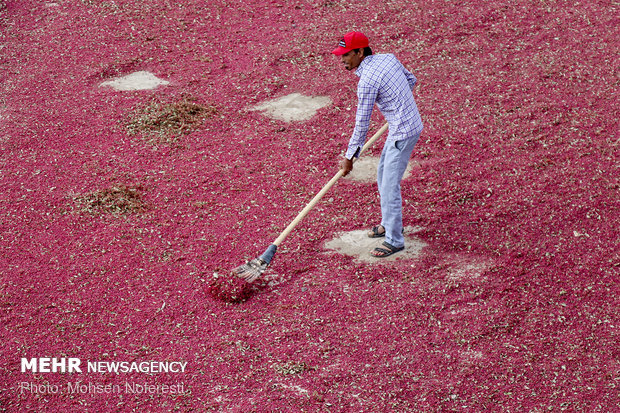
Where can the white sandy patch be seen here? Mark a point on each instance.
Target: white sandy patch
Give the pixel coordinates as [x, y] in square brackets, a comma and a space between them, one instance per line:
[357, 244]
[365, 169]
[293, 107]
[135, 81]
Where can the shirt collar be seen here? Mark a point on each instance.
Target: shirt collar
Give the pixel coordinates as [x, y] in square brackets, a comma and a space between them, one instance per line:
[360, 68]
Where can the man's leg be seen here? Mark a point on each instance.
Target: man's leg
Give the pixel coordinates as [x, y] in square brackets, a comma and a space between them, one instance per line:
[380, 180]
[392, 166]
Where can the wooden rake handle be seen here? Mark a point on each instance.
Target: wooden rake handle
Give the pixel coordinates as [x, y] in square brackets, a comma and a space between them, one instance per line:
[324, 190]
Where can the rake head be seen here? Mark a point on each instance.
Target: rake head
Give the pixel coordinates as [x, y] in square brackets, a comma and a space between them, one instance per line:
[250, 271]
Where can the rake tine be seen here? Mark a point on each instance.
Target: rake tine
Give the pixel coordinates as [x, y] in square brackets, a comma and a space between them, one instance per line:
[250, 271]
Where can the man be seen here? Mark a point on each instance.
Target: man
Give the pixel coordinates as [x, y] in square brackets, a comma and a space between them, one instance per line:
[386, 82]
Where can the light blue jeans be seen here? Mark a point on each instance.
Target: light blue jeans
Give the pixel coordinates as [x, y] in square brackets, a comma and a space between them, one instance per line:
[392, 166]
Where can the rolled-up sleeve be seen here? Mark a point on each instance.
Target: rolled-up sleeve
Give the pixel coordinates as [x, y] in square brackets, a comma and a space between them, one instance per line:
[411, 79]
[366, 96]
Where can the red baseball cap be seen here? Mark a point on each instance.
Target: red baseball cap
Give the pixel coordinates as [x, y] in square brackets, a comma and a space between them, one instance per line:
[351, 41]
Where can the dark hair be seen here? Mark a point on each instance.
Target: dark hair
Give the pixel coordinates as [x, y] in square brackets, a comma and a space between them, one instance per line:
[367, 51]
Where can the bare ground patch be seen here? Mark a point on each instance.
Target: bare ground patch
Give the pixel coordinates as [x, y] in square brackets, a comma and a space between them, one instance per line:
[365, 169]
[293, 107]
[141, 80]
[357, 244]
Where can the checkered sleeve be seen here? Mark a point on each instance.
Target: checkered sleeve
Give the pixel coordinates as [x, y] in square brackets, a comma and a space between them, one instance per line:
[366, 96]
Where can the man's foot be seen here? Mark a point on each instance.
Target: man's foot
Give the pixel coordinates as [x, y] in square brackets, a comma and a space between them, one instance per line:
[386, 250]
[376, 232]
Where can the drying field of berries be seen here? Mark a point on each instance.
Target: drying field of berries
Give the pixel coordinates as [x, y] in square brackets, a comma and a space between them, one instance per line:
[117, 207]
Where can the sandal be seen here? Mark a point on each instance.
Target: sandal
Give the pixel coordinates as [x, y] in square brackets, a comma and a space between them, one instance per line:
[386, 250]
[374, 232]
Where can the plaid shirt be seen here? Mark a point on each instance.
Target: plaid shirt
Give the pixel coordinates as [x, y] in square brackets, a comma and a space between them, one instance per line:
[386, 82]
